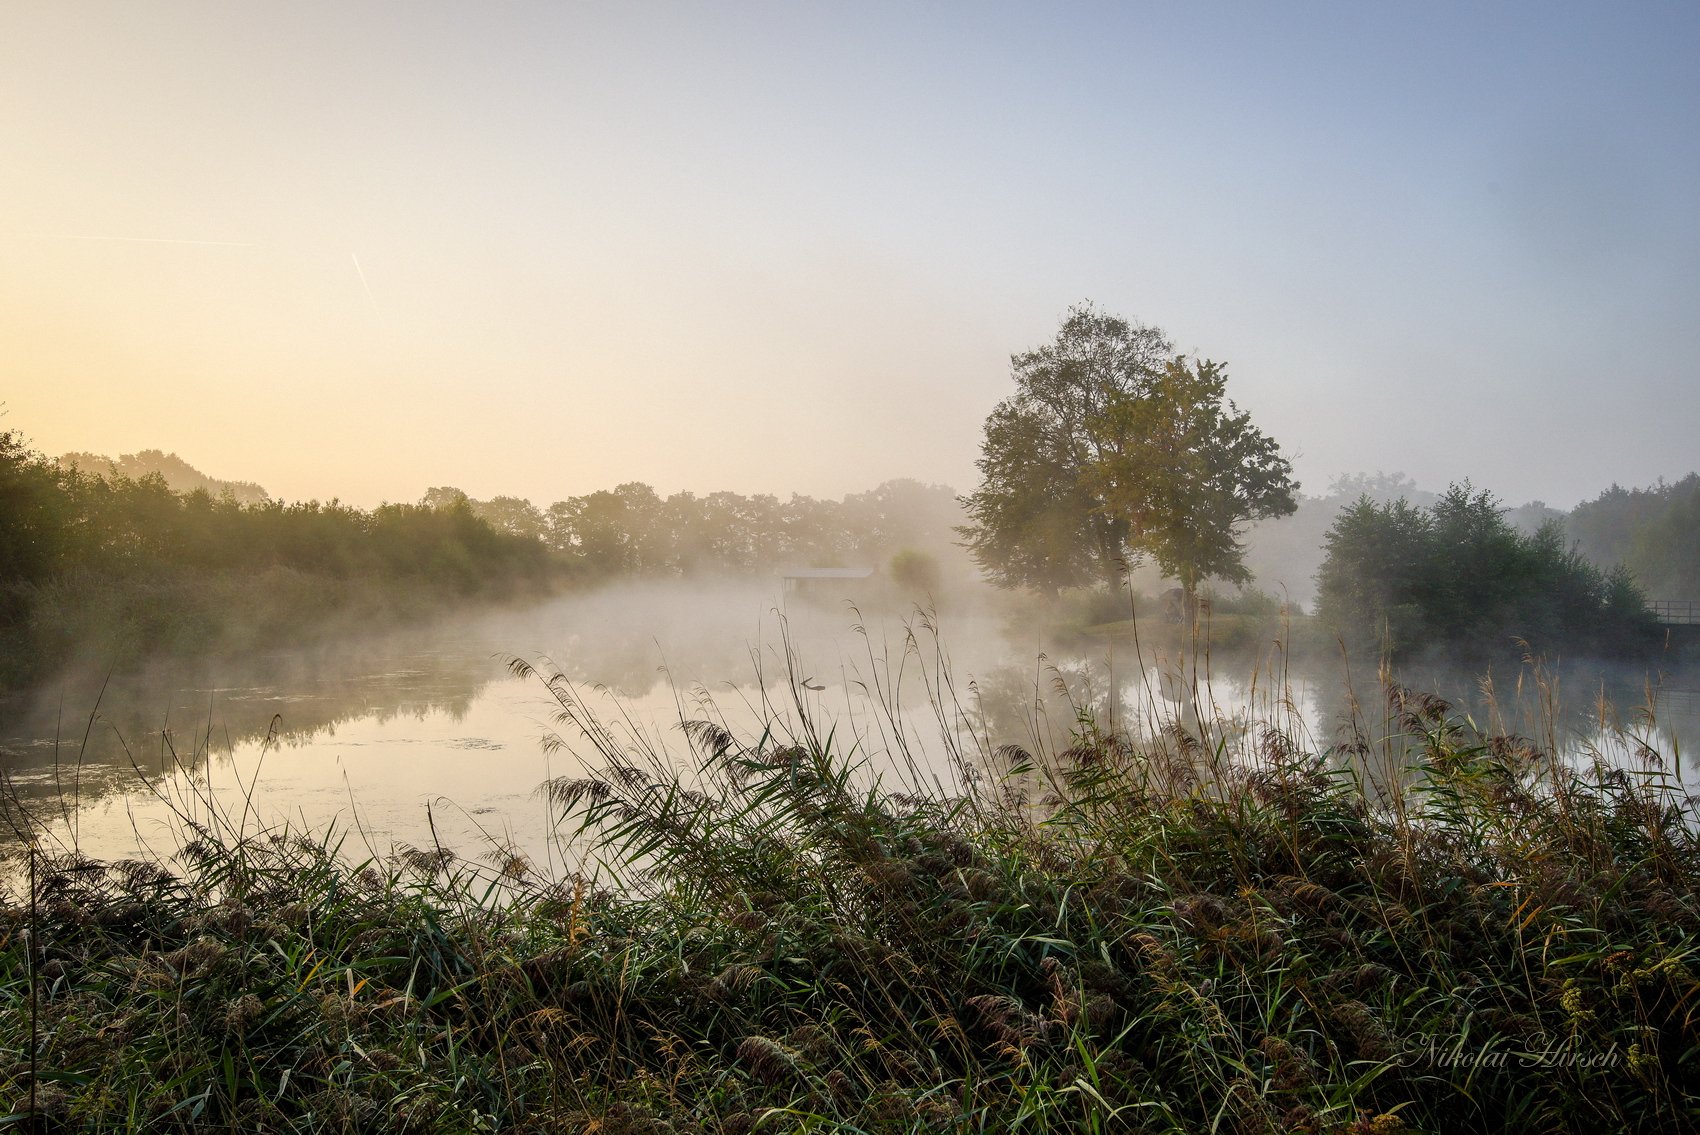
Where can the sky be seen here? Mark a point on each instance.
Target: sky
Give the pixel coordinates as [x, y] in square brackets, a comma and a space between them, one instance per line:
[357, 250]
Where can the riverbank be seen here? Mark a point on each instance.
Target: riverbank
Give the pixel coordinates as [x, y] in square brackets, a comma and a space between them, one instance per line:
[119, 625]
[1129, 935]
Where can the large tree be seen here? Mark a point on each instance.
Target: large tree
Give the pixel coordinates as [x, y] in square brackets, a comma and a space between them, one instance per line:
[1034, 521]
[1112, 448]
[1185, 470]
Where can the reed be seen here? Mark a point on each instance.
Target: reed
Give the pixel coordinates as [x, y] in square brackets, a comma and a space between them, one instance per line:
[809, 928]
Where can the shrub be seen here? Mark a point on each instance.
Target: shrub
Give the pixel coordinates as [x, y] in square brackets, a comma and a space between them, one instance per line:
[1457, 575]
[1144, 937]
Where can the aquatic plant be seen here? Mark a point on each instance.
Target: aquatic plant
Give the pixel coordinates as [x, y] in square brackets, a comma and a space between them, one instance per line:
[800, 930]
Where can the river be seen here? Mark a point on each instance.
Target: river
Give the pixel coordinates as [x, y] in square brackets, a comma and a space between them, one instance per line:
[429, 736]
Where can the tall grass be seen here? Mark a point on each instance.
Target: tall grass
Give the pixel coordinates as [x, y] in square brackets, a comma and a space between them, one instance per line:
[810, 928]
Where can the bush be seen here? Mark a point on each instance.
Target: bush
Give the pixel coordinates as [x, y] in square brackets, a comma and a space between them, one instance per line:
[113, 566]
[1128, 935]
[1457, 575]
[917, 573]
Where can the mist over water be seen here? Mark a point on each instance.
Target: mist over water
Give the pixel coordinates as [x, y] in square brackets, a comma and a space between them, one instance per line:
[369, 730]
[428, 735]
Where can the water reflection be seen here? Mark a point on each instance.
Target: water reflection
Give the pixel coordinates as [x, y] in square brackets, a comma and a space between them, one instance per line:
[170, 716]
[428, 735]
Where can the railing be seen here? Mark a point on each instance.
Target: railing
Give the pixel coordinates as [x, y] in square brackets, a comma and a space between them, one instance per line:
[1676, 612]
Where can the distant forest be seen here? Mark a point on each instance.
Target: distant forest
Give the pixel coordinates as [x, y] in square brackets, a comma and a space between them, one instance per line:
[1653, 532]
[120, 559]
[152, 511]
[124, 556]
[109, 568]
[179, 476]
[631, 530]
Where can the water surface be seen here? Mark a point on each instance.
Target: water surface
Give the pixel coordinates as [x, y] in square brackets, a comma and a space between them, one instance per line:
[429, 736]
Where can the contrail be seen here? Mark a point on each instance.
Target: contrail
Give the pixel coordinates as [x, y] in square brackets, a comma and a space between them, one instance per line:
[369, 297]
[132, 239]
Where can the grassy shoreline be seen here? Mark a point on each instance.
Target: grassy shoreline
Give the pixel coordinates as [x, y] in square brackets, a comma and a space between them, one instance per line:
[1133, 934]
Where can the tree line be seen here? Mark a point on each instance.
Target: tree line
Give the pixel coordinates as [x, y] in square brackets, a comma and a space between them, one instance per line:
[58, 521]
[179, 475]
[98, 563]
[1113, 449]
[65, 517]
[1653, 532]
[633, 530]
[1457, 573]
[114, 570]
[60, 518]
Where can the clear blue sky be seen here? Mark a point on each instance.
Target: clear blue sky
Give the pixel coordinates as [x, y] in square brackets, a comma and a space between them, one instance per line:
[541, 249]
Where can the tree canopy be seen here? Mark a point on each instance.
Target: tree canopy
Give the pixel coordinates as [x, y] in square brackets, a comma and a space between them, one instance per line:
[1457, 574]
[1653, 532]
[178, 474]
[631, 530]
[1111, 448]
[1186, 469]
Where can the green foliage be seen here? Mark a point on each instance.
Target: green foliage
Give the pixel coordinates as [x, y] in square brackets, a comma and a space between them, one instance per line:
[1111, 449]
[513, 515]
[631, 530]
[1457, 574]
[63, 520]
[117, 566]
[1125, 936]
[609, 533]
[1187, 473]
[178, 474]
[114, 565]
[1034, 521]
[915, 572]
[1653, 532]
[32, 531]
[444, 496]
[1030, 524]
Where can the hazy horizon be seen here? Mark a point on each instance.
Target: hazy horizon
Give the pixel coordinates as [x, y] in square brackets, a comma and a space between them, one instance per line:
[357, 252]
